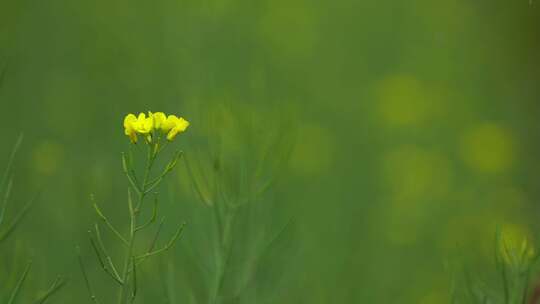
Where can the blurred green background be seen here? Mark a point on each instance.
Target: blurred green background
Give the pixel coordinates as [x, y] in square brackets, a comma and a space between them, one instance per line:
[415, 123]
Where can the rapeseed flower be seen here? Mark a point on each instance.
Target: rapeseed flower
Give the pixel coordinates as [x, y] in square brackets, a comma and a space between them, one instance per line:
[129, 129]
[148, 126]
[159, 120]
[175, 125]
[144, 125]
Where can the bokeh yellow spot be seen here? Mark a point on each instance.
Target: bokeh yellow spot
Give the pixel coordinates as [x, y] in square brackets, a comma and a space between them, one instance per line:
[314, 150]
[404, 101]
[47, 156]
[488, 148]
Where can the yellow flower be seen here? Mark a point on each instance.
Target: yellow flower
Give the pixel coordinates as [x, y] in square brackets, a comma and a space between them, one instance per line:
[129, 129]
[144, 125]
[174, 125]
[170, 125]
[159, 120]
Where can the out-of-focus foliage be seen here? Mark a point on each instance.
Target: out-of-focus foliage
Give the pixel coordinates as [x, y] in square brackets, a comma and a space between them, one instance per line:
[515, 260]
[12, 274]
[242, 248]
[415, 128]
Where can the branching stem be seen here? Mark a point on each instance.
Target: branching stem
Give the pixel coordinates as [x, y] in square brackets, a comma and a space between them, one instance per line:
[132, 230]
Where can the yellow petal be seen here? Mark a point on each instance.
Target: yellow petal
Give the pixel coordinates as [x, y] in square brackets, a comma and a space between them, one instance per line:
[159, 119]
[129, 120]
[148, 125]
[129, 127]
[169, 123]
[181, 124]
[172, 134]
[144, 125]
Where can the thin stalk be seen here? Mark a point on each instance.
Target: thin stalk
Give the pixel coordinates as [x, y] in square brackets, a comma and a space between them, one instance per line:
[85, 276]
[17, 289]
[170, 166]
[156, 236]
[105, 252]
[123, 293]
[152, 218]
[7, 193]
[219, 258]
[134, 293]
[526, 291]
[112, 272]
[109, 224]
[7, 171]
[17, 219]
[224, 253]
[166, 247]
[57, 284]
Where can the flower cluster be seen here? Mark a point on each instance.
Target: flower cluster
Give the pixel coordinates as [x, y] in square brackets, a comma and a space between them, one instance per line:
[154, 122]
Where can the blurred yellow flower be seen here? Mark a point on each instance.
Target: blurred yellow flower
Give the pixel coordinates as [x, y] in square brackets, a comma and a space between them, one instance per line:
[515, 247]
[488, 148]
[170, 125]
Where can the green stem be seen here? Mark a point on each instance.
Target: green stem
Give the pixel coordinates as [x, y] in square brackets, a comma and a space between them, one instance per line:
[133, 212]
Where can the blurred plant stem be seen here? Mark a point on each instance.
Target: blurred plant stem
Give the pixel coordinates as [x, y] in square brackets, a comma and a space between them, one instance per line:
[6, 186]
[224, 246]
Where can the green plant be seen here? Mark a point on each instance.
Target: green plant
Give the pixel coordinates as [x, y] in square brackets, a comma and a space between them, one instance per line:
[153, 129]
